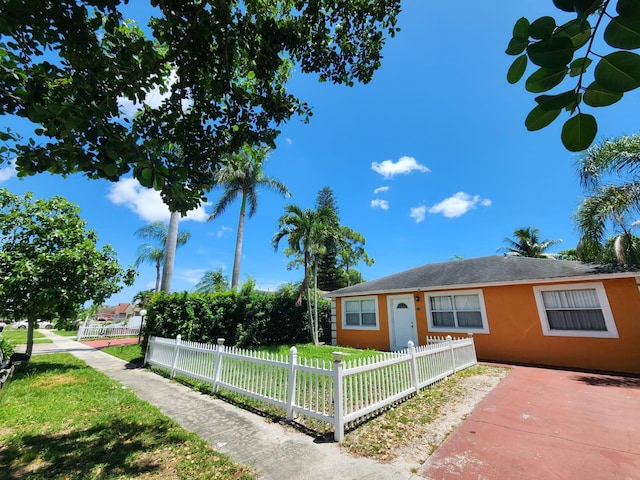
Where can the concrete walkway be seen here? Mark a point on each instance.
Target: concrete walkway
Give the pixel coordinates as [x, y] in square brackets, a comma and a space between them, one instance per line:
[547, 424]
[276, 452]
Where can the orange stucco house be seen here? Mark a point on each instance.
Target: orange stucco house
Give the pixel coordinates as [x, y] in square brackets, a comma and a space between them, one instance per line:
[520, 310]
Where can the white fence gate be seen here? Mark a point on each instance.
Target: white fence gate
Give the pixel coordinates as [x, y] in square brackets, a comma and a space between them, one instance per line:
[106, 331]
[337, 393]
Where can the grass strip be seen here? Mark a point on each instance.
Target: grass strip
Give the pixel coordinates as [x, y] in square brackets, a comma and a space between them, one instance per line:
[62, 419]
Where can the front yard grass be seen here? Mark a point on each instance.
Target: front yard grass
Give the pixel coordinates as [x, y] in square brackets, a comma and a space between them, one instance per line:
[19, 336]
[64, 420]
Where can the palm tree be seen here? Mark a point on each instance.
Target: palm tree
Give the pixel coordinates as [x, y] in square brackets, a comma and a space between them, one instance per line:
[526, 243]
[307, 232]
[610, 174]
[155, 253]
[240, 177]
[211, 282]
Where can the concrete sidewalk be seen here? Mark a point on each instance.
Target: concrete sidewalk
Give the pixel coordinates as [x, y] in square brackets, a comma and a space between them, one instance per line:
[276, 452]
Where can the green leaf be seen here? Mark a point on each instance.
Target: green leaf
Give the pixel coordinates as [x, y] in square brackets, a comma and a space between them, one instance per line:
[556, 102]
[517, 69]
[579, 132]
[517, 45]
[628, 8]
[521, 28]
[596, 96]
[623, 32]
[586, 7]
[579, 31]
[539, 118]
[146, 177]
[545, 79]
[618, 71]
[552, 53]
[110, 170]
[564, 5]
[158, 181]
[579, 66]
[542, 28]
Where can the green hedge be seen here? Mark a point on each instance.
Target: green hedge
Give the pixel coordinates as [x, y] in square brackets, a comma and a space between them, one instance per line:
[245, 318]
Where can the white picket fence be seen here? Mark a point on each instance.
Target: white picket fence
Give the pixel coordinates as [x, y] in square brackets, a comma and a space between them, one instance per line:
[337, 393]
[104, 331]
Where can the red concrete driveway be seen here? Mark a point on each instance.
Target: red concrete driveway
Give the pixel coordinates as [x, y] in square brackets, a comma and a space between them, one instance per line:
[547, 424]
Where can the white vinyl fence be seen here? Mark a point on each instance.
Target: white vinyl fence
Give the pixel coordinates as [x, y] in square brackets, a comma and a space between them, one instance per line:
[337, 393]
[106, 331]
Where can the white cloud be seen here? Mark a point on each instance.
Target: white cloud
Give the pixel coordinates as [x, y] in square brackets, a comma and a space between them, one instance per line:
[380, 190]
[379, 203]
[147, 203]
[153, 99]
[418, 213]
[191, 276]
[223, 231]
[403, 166]
[458, 204]
[8, 172]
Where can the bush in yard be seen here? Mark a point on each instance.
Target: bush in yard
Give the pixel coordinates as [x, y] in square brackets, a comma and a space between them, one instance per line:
[245, 318]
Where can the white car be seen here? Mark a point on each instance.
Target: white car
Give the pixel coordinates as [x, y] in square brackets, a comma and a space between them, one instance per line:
[20, 324]
[45, 324]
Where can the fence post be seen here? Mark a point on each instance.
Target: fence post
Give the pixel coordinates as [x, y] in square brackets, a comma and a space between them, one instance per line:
[473, 347]
[175, 357]
[338, 398]
[80, 332]
[218, 365]
[413, 363]
[453, 356]
[291, 387]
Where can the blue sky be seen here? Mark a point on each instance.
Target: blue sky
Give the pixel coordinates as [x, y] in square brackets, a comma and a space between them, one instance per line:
[428, 161]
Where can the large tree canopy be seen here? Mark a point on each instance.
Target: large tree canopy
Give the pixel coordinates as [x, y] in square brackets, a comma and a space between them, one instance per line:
[600, 30]
[49, 262]
[68, 67]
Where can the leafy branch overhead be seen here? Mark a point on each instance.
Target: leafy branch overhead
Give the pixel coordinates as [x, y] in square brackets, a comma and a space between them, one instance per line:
[222, 68]
[592, 50]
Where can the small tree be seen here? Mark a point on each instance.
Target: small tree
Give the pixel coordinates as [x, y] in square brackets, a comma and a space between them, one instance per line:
[527, 243]
[211, 282]
[49, 261]
[155, 253]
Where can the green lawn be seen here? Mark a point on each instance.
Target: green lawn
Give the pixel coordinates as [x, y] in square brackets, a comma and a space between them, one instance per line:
[19, 336]
[130, 353]
[321, 352]
[62, 419]
[67, 333]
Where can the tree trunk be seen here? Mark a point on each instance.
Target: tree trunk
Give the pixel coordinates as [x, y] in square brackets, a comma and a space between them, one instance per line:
[30, 328]
[316, 333]
[235, 276]
[158, 265]
[170, 252]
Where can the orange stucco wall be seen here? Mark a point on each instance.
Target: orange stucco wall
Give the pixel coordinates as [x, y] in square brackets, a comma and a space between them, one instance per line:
[515, 331]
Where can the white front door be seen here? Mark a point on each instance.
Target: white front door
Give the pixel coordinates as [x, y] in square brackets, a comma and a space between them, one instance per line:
[402, 316]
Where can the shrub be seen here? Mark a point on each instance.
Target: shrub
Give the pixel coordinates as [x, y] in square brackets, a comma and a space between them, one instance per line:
[245, 318]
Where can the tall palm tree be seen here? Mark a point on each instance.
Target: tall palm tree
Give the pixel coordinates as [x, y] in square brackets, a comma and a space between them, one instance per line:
[155, 253]
[526, 243]
[610, 174]
[241, 177]
[307, 232]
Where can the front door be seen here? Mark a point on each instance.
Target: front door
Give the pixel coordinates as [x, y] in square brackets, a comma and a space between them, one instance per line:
[403, 322]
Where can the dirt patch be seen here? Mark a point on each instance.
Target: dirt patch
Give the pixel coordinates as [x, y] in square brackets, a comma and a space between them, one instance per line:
[409, 433]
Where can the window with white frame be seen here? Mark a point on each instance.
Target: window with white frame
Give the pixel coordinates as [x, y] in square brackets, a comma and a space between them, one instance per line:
[461, 310]
[360, 312]
[576, 310]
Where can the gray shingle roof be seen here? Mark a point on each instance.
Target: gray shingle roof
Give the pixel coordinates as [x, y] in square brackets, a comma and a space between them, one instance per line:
[482, 271]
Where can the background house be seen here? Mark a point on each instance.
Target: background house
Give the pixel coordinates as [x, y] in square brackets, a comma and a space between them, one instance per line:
[520, 310]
